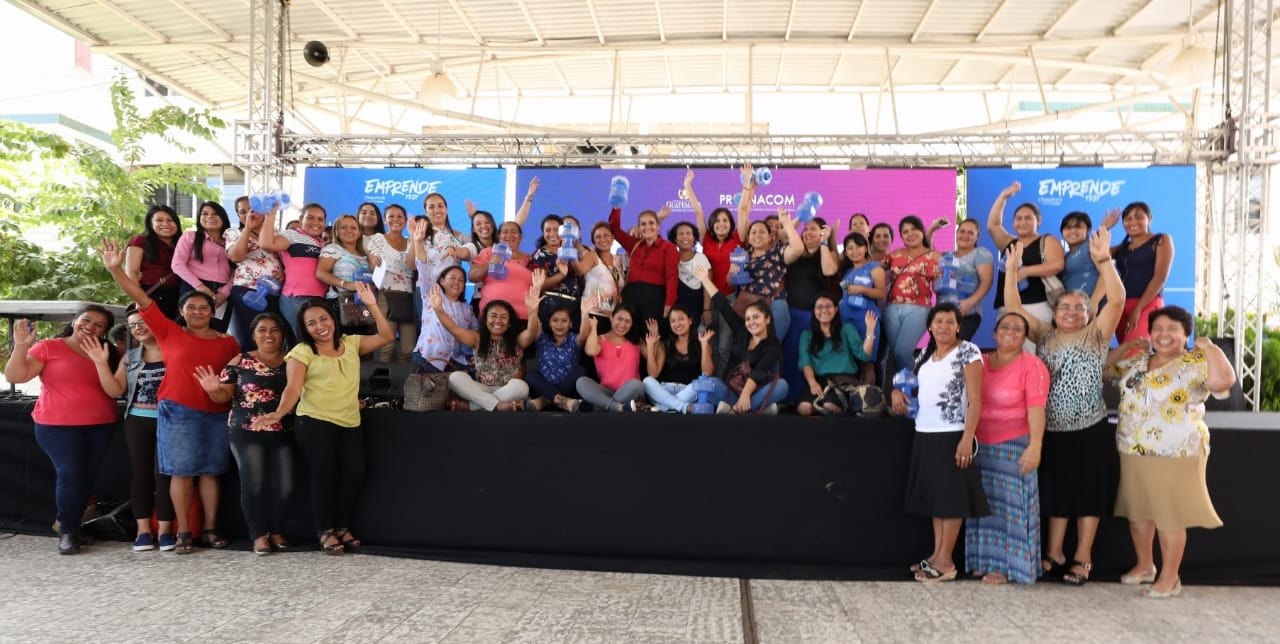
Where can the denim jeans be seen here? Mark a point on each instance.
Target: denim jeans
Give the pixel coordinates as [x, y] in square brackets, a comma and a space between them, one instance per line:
[77, 452]
[904, 326]
[762, 397]
[674, 396]
[265, 461]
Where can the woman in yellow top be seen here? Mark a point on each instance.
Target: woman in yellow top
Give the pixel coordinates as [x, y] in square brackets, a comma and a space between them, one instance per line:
[1164, 442]
[323, 373]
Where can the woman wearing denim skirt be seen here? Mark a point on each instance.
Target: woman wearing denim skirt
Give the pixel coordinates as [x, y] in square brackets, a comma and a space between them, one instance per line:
[191, 433]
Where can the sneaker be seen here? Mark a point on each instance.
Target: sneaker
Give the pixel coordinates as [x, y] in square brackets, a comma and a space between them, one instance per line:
[638, 406]
[168, 542]
[771, 410]
[144, 542]
[724, 409]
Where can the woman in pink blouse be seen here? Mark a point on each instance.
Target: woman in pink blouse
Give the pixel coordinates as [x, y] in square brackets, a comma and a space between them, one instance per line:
[1005, 545]
[200, 260]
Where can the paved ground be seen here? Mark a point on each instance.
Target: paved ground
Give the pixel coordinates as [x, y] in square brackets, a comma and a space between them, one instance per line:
[111, 594]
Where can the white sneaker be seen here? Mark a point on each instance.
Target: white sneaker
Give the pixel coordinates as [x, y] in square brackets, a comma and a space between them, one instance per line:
[771, 410]
[724, 409]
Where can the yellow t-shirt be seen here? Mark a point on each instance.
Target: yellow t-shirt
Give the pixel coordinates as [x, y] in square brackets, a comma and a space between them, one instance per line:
[332, 387]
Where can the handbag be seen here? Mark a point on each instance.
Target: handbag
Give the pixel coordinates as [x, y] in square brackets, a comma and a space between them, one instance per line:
[852, 398]
[399, 306]
[426, 391]
[355, 316]
[746, 299]
[1053, 287]
[736, 381]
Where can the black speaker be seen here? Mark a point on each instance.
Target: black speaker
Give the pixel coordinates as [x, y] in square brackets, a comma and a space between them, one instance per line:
[315, 53]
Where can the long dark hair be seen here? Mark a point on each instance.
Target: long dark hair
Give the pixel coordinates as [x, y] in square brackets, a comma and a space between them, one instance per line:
[816, 339]
[113, 357]
[493, 236]
[711, 224]
[150, 240]
[542, 238]
[669, 338]
[944, 307]
[198, 249]
[508, 339]
[304, 336]
[382, 223]
[431, 228]
[633, 334]
[858, 239]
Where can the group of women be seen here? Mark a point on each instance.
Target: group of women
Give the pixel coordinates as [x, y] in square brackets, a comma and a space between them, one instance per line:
[1001, 438]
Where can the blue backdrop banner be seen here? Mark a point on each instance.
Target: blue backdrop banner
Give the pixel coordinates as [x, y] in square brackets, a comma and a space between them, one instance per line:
[1170, 191]
[342, 190]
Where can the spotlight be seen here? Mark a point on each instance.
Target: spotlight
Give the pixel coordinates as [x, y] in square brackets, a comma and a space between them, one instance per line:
[315, 53]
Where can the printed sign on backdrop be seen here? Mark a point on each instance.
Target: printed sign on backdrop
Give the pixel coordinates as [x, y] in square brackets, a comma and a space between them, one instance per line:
[342, 190]
[1169, 190]
[883, 195]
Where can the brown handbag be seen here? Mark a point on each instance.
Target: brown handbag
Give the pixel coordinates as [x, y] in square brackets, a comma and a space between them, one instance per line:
[426, 391]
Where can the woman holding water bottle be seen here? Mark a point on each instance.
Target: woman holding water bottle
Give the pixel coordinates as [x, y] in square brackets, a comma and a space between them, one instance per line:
[253, 262]
[863, 286]
[504, 270]
[941, 482]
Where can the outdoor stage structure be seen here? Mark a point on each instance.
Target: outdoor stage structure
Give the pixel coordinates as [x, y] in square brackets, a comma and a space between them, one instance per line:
[1234, 160]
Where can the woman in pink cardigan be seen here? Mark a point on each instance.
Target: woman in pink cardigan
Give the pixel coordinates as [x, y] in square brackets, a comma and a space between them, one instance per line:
[200, 260]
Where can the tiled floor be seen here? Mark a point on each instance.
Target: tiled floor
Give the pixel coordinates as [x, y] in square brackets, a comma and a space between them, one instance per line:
[112, 594]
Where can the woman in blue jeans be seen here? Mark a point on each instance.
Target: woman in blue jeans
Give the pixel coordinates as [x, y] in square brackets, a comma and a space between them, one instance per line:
[676, 361]
[755, 358]
[912, 272]
[75, 414]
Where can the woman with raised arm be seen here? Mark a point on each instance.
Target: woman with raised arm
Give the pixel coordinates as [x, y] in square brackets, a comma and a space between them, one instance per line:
[1143, 259]
[498, 349]
[323, 381]
[767, 266]
[191, 433]
[445, 247]
[253, 383]
[200, 259]
[484, 234]
[1041, 256]
[148, 259]
[1164, 443]
[559, 349]
[831, 352]
[655, 266]
[941, 484]
[564, 280]
[252, 263]
[752, 379]
[677, 360]
[1005, 546]
[395, 298]
[1078, 464]
[299, 250]
[862, 288]
[912, 271]
[515, 286]
[617, 360]
[75, 414]
[141, 373]
[437, 350]
[808, 276]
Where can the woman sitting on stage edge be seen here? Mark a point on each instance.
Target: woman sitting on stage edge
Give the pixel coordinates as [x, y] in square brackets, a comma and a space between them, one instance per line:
[755, 359]
[323, 373]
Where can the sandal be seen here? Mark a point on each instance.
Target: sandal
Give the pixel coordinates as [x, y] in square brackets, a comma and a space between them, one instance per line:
[920, 565]
[349, 544]
[1077, 579]
[211, 539]
[1053, 568]
[281, 545]
[334, 548]
[534, 404]
[567, 404]
[182, 545]
[263, 550]
[931, 575]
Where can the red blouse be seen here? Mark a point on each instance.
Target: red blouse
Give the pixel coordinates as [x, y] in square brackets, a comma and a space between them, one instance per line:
[657, 263]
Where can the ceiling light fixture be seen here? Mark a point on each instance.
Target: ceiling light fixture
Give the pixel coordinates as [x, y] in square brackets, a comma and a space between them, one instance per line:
[1194, 64]
[438, 87]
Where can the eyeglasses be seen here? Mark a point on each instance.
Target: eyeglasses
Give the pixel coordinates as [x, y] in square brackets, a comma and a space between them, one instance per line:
[1067, 308]
[136, 325]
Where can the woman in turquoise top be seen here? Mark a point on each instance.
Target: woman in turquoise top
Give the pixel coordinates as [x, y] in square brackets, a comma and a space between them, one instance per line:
[831, 352]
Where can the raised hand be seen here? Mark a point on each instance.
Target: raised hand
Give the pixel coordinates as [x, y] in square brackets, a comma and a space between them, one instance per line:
[95, 349]
[435, 298]
[1100, 245]
[471, 207]
[664, 211]
[208, 378]
[705, 335]
[533, 187]
[533, 297]
[418, 229]
[688, 177]
[24, 332]
[365, 291]
[539, 277]
[1202, 343]
[112, 254]
[1110, 219]
[1013, 257]
[784, 217]
[748, 176]
[1013, 189]
[652, 336]
[700, 272]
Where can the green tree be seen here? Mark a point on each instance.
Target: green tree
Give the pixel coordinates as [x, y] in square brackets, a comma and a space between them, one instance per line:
[88, 194]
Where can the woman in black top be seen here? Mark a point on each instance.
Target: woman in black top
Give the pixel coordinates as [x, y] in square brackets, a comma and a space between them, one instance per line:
[806, 279]
[755, 356]
[674, 362]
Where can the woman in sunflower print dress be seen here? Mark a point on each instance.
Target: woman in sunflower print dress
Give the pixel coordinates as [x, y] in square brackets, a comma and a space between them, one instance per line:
[1164, 443]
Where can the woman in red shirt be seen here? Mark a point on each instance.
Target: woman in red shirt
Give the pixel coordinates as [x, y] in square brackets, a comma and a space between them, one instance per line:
[75, 414]
[191, 432]
[149, 258]
[655, 267]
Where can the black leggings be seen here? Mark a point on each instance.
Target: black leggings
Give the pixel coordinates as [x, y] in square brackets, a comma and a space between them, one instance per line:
[265, 460]
[148, 488]
[335, 458]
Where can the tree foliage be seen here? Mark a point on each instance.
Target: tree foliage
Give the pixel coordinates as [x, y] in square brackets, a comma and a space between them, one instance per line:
[87, 193]
[1269, 387]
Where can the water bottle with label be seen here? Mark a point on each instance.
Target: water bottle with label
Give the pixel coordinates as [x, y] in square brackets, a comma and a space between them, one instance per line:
[568, 242]
[907, 382]
[738, 260]
[858, 300]
[502, 252]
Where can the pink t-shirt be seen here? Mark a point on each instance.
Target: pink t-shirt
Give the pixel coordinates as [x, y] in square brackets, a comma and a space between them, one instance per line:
[513, 289]
[70, 392]
[214, 266]
[300, 260]
[1007, 393]
[617, 363]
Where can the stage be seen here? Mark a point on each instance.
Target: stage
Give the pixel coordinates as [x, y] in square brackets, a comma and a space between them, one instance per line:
[761, 497]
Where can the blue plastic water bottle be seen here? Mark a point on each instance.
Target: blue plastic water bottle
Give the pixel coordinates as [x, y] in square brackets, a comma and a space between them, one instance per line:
[808, 208]
[257, 298]
[568, 242]
[738, 258]
[946, 286]
[502, 251]
[618, 188]
[762, 176]
[906, 382]
[703, 386]
[858, 300]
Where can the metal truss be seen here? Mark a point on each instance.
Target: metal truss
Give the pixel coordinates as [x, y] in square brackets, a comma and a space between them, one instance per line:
[257, 144]
[1179, 147]
[1246, 194]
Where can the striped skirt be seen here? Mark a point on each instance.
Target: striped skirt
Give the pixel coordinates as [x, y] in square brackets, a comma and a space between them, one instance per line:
[1008, 540]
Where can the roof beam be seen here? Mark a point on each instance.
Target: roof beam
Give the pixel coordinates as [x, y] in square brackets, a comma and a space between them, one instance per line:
[533, 27]
[915, 34]
[857, 16]
[1062, 17]
[203, 20]
[402, 20]
[336, 19]
[131, 19]
[791, 18]
[662, 30]
[595, 21]
[466, 22]
[991, 20]
[724, 20]
[835, 71]
[1124, 24]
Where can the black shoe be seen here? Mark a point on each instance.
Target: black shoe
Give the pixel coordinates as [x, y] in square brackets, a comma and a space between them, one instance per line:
[68, 544]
